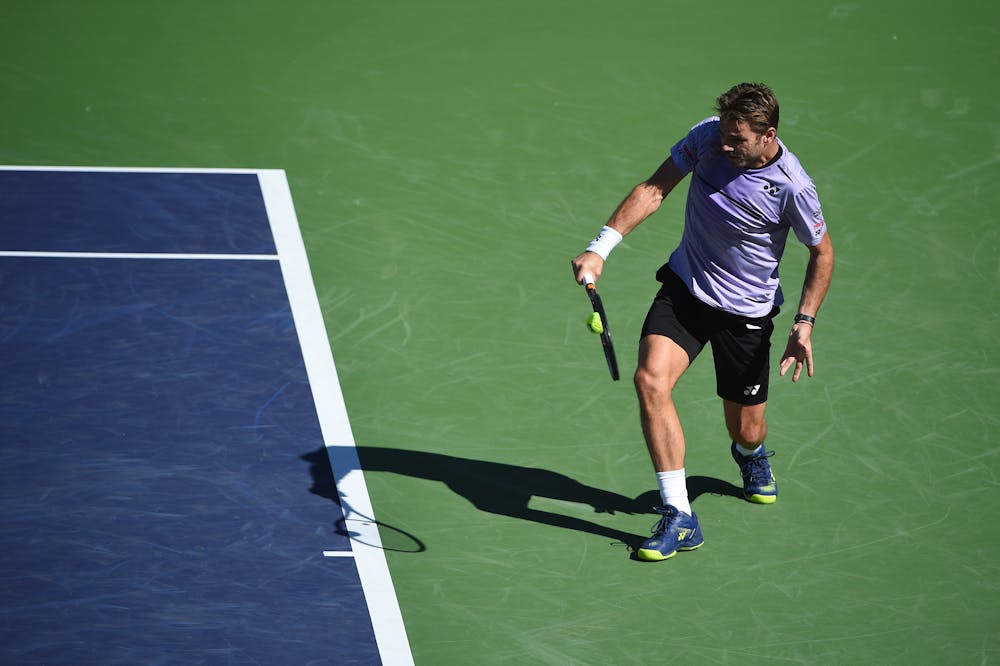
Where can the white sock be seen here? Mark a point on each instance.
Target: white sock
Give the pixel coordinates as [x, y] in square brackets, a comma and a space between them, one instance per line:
[673, 489]
[743, 451]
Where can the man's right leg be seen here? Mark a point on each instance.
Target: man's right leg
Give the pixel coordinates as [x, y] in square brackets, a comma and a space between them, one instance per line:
[661, 364]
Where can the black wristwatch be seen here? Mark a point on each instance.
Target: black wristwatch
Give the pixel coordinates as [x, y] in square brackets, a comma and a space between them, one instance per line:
[799, 318]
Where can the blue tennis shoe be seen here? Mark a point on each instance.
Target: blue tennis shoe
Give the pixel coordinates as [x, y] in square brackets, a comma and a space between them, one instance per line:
[759, 484]
[675, 531]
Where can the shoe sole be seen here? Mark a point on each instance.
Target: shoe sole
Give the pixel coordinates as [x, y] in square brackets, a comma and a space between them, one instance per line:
[762, 499]
[757, 498]
[647, 555]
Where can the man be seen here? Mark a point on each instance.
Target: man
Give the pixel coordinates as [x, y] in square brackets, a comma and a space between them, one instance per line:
[721, 286]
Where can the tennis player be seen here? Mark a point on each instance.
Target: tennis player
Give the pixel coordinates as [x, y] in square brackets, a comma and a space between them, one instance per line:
[721, 286]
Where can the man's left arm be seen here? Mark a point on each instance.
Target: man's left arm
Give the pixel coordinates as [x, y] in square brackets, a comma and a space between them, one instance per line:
[819, 272]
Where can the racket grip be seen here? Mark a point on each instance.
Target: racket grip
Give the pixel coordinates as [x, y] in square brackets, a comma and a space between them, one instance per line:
[588, 279]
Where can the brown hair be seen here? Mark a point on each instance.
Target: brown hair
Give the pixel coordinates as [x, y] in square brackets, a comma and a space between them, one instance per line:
[752, 103]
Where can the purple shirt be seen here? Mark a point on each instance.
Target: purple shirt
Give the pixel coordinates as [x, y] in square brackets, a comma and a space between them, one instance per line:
[736, 223]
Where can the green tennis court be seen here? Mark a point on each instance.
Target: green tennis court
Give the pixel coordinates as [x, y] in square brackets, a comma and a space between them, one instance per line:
[447, 159]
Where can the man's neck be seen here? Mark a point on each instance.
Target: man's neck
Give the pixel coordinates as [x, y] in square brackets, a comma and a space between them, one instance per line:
[771, 158]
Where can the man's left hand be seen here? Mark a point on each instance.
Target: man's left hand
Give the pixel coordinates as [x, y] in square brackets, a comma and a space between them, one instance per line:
[798, 351]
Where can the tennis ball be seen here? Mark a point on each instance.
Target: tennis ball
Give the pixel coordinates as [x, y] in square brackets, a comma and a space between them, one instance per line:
[594, 323]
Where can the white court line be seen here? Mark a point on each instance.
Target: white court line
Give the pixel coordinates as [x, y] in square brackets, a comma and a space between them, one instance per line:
[376, 583]
[366, 544]
[97, 169]
[139, 255]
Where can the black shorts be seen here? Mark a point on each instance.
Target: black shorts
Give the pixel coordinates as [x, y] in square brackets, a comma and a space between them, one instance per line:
[741, 345]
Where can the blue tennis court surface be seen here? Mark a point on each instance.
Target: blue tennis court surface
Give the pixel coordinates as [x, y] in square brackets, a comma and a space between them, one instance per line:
[157, 418]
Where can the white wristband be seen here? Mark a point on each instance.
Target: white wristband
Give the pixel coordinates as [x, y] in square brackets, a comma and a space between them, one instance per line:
[605, 242]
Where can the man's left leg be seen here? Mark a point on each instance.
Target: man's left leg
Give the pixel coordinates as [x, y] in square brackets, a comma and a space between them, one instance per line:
[746, 423]
[748, 429]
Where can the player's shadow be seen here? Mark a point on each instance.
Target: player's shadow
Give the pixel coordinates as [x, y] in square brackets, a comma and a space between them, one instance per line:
[507, 490]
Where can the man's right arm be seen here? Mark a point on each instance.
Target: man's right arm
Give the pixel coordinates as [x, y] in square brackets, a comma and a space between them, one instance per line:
[642, 201]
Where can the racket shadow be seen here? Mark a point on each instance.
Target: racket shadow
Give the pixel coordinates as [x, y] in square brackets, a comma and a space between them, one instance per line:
[323, 484]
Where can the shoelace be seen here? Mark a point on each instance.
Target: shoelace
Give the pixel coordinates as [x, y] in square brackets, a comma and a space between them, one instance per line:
[757, 468]
[668, 516]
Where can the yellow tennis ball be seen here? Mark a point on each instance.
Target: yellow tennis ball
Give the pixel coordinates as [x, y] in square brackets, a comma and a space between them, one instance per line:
[594, 323]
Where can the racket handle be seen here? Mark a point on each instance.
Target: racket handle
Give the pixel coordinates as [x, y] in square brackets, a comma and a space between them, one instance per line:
[588, 279]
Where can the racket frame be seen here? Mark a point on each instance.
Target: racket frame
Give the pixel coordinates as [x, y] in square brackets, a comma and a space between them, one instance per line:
[606, 343]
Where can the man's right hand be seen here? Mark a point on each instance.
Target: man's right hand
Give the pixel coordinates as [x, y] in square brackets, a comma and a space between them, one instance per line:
[588, 262]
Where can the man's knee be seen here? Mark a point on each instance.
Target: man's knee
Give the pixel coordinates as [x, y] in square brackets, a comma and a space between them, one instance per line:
[651, 383]
[749, 435]
[747, 425]
[661, 363]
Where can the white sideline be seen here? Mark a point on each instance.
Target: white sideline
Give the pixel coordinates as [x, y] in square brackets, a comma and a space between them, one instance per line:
[387, 620]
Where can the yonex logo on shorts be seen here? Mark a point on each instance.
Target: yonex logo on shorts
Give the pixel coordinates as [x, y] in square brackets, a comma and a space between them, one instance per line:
[752, 390]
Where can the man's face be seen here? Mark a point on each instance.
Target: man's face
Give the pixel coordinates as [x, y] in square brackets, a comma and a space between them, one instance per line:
[744, 148]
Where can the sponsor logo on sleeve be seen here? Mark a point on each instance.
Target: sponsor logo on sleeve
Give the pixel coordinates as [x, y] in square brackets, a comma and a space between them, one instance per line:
[818, 223]
[689, 154]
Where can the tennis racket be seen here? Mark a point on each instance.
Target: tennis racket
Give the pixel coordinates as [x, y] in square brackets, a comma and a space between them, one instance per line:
[609, 347]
